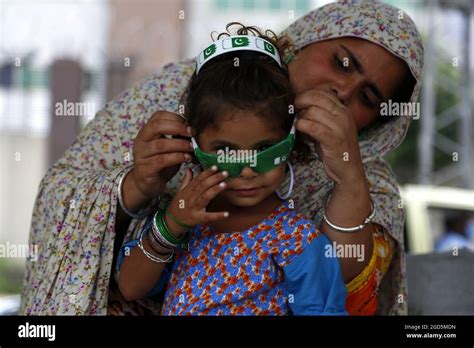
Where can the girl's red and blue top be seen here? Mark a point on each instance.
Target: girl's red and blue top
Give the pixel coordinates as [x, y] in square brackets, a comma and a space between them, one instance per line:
[284, 265]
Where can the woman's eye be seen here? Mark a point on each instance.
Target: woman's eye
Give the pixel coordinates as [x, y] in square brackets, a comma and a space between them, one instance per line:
[366, 100]
[341, 64]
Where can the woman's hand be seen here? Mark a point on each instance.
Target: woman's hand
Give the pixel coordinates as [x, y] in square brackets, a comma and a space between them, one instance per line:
[156, 158]
[333, 129]
[189, 204]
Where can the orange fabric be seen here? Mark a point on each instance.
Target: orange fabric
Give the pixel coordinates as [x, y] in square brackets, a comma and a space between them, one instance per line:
[363, 301]
[362, 291]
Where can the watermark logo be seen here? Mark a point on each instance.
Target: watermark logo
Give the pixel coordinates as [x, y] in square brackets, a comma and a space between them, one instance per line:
[37, 331]
[345, 250]
[11, 250]
[237, 156]
[66, 108]
[392, 108]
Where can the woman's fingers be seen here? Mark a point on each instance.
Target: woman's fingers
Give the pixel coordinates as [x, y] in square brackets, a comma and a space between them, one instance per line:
[317, 131]
[158, 127]
[154, 164]
[166, 115]
[152, 169]
[165, 145]
[320, 115]
[330, 124]
[319, 98]
[332, 97]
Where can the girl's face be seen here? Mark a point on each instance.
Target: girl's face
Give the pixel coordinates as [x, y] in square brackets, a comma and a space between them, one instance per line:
[361, 74]
[243, 130]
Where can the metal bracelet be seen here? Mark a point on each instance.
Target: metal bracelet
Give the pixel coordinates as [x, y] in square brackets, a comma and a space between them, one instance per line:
[156, 245]
[151, 256]
[349, 229]
[139, 215]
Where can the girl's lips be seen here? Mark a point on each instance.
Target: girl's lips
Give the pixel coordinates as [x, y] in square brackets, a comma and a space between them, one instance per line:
[247, 192]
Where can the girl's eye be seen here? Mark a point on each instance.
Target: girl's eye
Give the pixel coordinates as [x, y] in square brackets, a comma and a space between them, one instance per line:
[264, 147]
[222, 148]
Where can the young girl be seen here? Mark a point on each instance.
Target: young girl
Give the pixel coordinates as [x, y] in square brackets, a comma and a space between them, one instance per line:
[239, 248]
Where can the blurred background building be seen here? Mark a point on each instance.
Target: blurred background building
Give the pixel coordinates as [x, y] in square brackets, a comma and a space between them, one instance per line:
[89, 51]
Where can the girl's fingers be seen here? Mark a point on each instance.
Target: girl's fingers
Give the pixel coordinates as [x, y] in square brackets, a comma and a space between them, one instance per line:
[195, 184]
[211, 181]
[157, 128]
[188, 177]
[206, 174]
[215, 216]
[165, 145]
[204, 198]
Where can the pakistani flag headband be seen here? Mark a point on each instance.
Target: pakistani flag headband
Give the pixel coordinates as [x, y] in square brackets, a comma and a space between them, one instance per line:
[237, 43]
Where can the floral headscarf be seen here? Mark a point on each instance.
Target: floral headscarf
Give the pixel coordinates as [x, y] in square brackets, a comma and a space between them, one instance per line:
[382, 24]
[75, 209]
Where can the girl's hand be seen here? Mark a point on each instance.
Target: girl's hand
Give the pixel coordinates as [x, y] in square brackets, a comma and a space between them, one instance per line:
[333, 129]
[157, 158]
[189, 204]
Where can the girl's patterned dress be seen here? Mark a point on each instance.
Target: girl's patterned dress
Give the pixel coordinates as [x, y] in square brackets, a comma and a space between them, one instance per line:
[281, 266]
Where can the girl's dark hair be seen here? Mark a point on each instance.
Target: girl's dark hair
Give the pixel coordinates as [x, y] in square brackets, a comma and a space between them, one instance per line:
[244, 80]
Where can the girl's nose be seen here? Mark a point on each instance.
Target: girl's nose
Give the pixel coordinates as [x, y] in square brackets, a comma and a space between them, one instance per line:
[247, 172]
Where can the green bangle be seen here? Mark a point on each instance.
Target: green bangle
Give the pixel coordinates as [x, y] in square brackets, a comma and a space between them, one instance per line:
[175, 219]
[167, 231]
[164, 230]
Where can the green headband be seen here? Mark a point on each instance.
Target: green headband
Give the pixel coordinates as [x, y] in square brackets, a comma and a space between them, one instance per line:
[260, 162]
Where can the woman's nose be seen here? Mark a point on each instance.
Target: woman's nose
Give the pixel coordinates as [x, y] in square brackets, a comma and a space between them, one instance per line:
[345, 89]
[342, 94]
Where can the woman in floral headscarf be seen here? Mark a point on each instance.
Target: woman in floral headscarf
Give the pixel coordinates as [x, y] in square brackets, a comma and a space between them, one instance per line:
[348, 59]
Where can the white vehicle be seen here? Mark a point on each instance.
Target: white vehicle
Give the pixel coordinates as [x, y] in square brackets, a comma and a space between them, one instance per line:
[439, 283]
[9, 305]
[424, 208]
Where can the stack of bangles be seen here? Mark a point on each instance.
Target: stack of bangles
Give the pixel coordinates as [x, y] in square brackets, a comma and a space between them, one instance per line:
[161, 240]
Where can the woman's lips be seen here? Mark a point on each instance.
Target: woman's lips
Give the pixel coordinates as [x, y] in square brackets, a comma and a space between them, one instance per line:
[247, 192]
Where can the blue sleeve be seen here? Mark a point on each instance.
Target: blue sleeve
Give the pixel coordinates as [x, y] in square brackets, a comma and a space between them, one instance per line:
[165, 275]
[314, 281]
